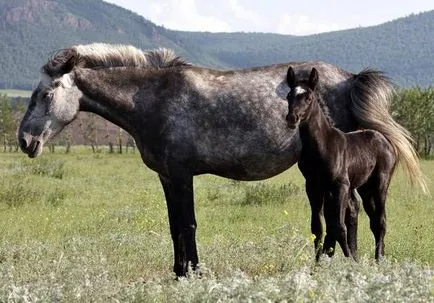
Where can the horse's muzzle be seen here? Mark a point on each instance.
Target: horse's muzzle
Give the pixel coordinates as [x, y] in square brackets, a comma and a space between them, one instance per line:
[30, 145]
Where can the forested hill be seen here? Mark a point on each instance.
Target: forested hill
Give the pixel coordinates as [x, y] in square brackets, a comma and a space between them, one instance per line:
[31, 30]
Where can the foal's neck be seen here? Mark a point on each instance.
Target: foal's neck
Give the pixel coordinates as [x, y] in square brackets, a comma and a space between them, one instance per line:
[315, 127]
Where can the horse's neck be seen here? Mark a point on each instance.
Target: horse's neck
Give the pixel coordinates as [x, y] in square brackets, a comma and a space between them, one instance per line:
[120, 116]
[314, 129]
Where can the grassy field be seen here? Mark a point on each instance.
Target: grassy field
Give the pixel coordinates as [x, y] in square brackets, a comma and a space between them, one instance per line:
[93, 227]
[16, 92]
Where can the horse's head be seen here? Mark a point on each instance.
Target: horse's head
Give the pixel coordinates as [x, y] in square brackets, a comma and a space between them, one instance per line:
[300, 97]
[53, 105]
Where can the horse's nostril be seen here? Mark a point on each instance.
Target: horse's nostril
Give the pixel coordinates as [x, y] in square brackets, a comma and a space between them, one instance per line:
[23, 143]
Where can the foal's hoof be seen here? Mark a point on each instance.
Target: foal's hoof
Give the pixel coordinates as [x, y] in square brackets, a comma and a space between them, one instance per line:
[355, 258]
[330, 252]
[321, 252]
[380, 260]
[189, 272]
[194, 272]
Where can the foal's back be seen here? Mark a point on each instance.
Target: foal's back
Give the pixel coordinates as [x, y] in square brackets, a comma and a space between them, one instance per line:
[368, 153]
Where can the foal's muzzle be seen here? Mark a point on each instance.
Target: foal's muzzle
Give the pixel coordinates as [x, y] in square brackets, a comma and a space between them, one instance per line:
[292, 121]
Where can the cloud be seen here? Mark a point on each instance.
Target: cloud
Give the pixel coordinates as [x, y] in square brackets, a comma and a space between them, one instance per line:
[302, 25]
[242, 16]
[224, 16]
[183, 15]
[241, 12]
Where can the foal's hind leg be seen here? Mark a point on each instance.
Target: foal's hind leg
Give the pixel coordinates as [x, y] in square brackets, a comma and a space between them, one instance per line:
[380, 214]
[351, 221]
[316, 199]
[374, 194]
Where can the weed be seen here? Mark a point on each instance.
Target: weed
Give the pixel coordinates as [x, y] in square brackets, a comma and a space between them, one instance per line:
[263, 193]
[56, 197]
[15, 192]
[43, 167]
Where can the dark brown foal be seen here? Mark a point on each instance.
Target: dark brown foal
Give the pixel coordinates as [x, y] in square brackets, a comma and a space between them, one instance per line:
[335, 164]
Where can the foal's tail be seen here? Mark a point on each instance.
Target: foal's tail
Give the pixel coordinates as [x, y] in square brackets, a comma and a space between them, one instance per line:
[371, 94]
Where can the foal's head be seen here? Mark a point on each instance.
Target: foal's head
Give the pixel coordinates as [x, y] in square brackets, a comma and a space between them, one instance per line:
[300, 97]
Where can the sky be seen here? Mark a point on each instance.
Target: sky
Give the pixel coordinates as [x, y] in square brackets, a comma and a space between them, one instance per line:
[301, 17]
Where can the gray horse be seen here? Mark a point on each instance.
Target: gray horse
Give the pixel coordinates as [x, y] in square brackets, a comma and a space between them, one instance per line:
[188, 120]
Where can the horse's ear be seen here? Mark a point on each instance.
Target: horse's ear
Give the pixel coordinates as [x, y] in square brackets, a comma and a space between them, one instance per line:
[313, 78]
[62, 63]
[290, 77]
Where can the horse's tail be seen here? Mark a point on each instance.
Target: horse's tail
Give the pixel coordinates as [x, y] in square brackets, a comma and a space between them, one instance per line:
[371, 94]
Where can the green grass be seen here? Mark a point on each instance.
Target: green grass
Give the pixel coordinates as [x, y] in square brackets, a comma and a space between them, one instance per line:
[16, 93]
[94, 228]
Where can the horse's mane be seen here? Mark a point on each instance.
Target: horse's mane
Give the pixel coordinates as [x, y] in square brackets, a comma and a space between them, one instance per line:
[102, 55]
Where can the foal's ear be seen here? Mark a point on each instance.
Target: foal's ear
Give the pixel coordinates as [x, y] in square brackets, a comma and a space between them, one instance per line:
[313, 78]
[290, 77]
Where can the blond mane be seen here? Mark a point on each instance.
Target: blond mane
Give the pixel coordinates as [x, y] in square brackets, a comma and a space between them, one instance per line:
[103, 55]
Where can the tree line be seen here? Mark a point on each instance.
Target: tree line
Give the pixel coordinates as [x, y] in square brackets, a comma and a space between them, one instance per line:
[412, 107]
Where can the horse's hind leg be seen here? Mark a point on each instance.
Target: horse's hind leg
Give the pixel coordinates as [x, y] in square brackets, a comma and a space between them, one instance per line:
[180, 205]
[316, 203]
[351, 221]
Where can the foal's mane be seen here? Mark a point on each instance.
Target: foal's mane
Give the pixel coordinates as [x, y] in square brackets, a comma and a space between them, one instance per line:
[102, 55]
[325, 109]
[322, 104]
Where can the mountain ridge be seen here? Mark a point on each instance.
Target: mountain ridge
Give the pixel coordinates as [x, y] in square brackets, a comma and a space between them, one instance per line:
[31, 30]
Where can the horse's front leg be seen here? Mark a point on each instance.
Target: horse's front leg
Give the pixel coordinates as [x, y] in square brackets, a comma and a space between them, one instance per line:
[180, 205]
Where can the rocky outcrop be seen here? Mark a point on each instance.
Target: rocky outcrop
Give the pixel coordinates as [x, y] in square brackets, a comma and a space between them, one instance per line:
[33, 11]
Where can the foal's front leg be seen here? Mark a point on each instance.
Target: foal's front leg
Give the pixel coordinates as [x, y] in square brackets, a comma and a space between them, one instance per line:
[316, 200]
[351, 221]
[334, 212]
[180, 205]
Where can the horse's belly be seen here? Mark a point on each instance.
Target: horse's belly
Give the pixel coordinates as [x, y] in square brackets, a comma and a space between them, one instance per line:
[250, 164]
[254, 172]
